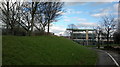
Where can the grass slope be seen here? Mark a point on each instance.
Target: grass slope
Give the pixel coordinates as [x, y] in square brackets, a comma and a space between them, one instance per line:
[45, 50]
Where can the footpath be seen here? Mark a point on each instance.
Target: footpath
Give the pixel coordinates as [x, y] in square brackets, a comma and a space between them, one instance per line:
[107, 58]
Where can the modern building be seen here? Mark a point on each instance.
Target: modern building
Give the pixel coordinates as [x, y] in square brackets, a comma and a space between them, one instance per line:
[83, 36]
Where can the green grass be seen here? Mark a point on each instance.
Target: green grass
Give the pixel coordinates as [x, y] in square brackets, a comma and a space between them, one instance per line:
[45, 50]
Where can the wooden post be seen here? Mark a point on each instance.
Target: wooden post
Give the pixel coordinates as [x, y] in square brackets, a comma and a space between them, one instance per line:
[87, 36]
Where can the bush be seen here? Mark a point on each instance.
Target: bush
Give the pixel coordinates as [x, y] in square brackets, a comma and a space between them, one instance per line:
[16, 31]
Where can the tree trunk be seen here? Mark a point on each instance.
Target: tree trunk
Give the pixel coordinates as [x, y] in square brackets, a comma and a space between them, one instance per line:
[108, 38]
[48, 27]
[32, 20]
[28, 33]
[98, 40]
[7, 26]
[33, 13]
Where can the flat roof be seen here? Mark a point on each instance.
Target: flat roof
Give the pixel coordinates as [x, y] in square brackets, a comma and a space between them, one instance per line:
[81, 29]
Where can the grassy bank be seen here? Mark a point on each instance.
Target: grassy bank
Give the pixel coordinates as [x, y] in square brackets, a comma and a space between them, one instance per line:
[45, 50]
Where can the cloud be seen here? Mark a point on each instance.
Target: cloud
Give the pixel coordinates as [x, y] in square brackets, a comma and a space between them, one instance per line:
[66, 20]
[116, 6]
[115, 9]
[99, 14]
[99, 3]
[87, 24]
[72, 11]
[66, 17]
[74, 3]
[106, 11]
[77, 12]
[57, 29]
[81, 19]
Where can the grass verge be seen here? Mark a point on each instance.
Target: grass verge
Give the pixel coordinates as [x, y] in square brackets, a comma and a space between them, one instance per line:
[45, 50]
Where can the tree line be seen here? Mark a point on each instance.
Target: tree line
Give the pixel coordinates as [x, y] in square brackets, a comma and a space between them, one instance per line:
[26, 17]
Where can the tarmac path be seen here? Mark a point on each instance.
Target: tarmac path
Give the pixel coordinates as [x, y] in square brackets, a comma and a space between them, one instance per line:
[107, 58]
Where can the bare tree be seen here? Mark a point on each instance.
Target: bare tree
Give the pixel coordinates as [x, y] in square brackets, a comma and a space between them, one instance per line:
[70, 29]
[109, 24]
[9, 15]
[43, 13]
[52, 12]
[5, 14]
[98, 34]
[41, 18]
[30, 15]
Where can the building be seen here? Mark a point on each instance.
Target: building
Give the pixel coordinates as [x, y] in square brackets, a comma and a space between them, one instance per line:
[83, 36]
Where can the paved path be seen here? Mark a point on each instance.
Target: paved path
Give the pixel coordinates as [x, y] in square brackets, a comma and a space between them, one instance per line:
[107, 59]
[116, 56]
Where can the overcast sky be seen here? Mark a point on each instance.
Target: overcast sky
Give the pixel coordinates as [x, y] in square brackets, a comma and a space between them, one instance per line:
[83, 14]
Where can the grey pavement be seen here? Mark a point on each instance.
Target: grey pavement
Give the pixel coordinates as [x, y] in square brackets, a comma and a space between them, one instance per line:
[115, 55]
[104, 60]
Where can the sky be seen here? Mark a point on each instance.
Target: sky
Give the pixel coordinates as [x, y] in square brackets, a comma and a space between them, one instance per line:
[83, 15]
